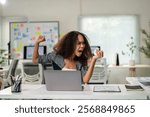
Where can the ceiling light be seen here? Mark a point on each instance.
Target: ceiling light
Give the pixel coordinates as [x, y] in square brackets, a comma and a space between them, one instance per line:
[2, 1]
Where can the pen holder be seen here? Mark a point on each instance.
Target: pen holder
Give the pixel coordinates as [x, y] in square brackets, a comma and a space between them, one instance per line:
[16, 84]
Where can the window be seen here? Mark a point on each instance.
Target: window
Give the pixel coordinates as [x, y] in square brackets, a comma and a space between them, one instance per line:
[112, 33]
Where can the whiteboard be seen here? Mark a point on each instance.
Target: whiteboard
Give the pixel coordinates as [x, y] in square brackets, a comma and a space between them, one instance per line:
[25, 34]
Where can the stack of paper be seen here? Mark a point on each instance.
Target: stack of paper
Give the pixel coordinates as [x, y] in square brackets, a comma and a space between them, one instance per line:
[144, 80]
[134, 87]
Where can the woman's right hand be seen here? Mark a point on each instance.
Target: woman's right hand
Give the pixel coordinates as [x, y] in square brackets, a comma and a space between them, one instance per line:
[40, 39]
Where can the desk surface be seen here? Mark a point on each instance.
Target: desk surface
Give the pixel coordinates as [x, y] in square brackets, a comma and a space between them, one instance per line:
[39, 92]
[136, 80]
[129, 66]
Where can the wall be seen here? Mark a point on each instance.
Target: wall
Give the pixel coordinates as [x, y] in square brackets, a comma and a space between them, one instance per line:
[105, 7]
[67, 13]
[0, 25]
[0, 31]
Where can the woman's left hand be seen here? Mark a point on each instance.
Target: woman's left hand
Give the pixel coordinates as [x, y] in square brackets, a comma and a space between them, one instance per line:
[98, 54]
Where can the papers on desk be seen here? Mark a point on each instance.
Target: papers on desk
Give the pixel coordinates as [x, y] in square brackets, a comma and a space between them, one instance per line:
[132, 87]
[103, 88]
[144, 80]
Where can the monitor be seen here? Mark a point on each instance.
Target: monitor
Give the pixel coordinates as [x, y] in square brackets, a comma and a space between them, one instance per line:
[28, 51]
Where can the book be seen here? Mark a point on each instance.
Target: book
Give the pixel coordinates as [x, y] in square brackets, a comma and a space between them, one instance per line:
[108, 88]
[144, 81]
[130, 87]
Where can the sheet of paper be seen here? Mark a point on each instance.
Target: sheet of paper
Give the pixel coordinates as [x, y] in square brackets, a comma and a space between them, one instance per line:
[144, 80]
[106, 89]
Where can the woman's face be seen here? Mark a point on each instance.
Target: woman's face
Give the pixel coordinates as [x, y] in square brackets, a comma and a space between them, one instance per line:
[80, 45]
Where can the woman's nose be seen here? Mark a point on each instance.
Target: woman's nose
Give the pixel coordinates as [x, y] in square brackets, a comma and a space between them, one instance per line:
[82, 45]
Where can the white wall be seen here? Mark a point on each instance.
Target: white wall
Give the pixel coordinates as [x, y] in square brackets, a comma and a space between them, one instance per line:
[65, 11]
[68, 11]
[0, 25]
[105, 7]
[0, 32]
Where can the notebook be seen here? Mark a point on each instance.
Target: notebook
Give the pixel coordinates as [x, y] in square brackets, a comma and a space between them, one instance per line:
[131, 87]
[57, 80]
[144, 80]
[106, 88]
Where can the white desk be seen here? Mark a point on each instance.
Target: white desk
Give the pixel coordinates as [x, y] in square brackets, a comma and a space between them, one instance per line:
[40, 92]
[135, 80]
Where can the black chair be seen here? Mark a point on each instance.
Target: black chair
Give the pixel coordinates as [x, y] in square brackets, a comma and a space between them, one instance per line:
[1, 83]
[50, 66]
[55, 66]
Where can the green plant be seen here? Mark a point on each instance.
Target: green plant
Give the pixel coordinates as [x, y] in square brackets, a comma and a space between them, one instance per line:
[131, 48]
[3, 56]
[146, 49]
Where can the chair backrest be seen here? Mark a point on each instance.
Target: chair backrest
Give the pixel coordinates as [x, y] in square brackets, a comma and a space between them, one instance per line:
[1, 83]
[12, 70]
[32, 73]
[99, 75]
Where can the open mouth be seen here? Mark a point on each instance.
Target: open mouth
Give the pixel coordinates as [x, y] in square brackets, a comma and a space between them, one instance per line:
[80, 51]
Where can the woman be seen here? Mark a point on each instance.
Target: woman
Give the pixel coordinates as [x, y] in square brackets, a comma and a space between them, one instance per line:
[72, 52]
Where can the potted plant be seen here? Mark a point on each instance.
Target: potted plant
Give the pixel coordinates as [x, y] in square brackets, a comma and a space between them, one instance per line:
[131, 51]
[146, 49]
[3, 57]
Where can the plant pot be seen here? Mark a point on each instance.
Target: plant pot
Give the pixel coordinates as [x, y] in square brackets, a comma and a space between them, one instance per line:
[1, 67]
[131, 62]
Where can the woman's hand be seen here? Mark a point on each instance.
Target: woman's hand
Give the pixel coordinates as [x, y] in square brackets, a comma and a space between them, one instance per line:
[40, 39]
[36, 48]
[98, 54]
[91, 63]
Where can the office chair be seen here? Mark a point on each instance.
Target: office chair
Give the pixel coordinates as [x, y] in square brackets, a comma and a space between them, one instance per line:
[32, 73]
[1, 83]
[11, 72]
[99, 75]
[48, 66]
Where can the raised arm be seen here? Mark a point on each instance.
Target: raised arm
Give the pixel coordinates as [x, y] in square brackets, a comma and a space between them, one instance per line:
[87, 76]
[36, 46]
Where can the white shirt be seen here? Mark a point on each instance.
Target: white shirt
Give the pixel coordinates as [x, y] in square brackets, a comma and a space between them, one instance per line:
[66, 69]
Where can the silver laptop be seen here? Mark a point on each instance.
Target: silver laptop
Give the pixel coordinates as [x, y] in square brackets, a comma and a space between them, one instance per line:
[57, 80]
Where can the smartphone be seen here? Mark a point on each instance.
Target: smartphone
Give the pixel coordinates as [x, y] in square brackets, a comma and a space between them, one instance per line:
[99, 47]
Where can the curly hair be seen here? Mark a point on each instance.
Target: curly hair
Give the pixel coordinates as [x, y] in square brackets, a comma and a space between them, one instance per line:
[66, 46]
